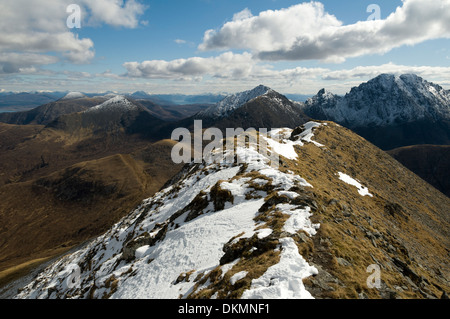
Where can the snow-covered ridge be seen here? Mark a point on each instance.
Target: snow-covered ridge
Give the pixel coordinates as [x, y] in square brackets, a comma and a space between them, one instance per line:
[117, 103]
[233, 102]
[73, 96]
[183, 230]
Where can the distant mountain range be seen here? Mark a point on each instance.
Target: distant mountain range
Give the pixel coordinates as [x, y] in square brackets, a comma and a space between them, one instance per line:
[23, 101]
[46, 113]
[389, 111]
[178, 99]
[85, 166]
[11, 101]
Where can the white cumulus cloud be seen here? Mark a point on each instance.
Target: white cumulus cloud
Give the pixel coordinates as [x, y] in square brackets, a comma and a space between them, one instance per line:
[270, 30]
[30, 30]
[307, 32]
[226, 65]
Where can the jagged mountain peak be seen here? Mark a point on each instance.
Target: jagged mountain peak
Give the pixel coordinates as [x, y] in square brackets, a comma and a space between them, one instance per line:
[261, 88]
[322, 96]
[384, 100]
[411, 85]
[390, 77]
[324, 92]
[261, 107]
[234, 101]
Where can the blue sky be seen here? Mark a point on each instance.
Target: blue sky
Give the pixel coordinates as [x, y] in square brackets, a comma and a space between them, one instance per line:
[203, 46]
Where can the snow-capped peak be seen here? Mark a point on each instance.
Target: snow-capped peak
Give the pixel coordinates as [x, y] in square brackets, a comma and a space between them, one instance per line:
[117, 103]
[325, 95]
[233, 102]
[387, 99]
[73, 96]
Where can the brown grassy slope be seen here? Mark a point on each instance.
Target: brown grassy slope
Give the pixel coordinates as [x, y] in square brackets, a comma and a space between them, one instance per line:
[430, 162]
[29, 152]
[12, 135]
[404, 227]
[47, 215]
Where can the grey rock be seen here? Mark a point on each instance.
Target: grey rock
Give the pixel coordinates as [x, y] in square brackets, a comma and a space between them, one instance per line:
[363, 295]
[343, 262]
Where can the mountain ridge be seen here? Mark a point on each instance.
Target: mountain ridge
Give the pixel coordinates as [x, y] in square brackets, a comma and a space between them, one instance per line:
[260, 107]
[296, 231]
[116, 117]
[46, 113]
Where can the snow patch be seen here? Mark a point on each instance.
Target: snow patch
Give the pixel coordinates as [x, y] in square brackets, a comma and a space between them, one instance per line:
[362, 190]
[308, 134]
[298, 220]
[263, 233]
[280, 142]
[194, 245]
[73, 96]
[285, 279]
[238, 276]
[225, 268]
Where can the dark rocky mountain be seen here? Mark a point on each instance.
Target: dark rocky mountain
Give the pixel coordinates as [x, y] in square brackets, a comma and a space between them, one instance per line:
[258, 108]
[389, 111]
[115, 117]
